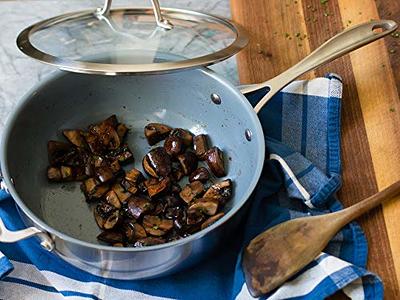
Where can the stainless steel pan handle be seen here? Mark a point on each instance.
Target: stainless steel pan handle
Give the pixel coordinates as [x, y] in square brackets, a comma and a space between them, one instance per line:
[160, 20]
[7, 236]
[342, 43]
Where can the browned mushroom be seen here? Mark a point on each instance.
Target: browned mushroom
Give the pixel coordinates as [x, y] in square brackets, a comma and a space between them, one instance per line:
[120, 192]
[149, 241]
[155, 132]
[185, 135]
[110, 121]
[188, 162]
[93, 189]
[104, 174]
[115, 167]
[206, 206]
[122, 130]
[156, 187]
[212, 220]
[177, 173]
[156, 226]
[132, 181]
[112, 220]
[133, 231]
[111, 237]
[173, 145]
[191, 191]
[194, 217]
[200, 145]
[66, 173]
[175, 188]
[74, 136]
[200, 174]
[130, 186]
[112, 198]
[106, 134]
[54, 174]
[123, 154]
[105, 213]
[157, 163]
[134, 176]
[137, 206]
[60, 153]
[221, 191]
[215, 161]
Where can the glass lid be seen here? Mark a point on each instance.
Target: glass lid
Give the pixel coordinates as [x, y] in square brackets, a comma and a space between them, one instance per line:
[132, 40]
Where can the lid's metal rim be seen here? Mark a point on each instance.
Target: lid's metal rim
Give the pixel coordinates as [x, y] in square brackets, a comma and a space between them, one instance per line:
[24, 44]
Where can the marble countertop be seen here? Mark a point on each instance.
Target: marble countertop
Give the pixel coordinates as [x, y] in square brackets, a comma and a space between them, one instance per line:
[18, 73]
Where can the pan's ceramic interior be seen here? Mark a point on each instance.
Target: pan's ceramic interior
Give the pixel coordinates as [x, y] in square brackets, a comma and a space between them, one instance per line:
[67, 100]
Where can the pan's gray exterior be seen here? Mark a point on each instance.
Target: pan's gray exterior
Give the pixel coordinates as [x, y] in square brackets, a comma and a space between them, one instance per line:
[181, 99]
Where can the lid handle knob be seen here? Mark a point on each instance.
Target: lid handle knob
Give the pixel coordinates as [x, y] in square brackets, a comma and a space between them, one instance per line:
[161, 22]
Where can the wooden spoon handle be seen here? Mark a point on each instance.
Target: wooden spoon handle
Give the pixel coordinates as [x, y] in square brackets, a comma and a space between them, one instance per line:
[353, 212]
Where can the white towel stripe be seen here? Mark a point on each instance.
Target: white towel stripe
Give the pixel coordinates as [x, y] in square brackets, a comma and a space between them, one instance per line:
[355, 290]
[296, 182]
[31, 273]
[15, 291]
[309, 280]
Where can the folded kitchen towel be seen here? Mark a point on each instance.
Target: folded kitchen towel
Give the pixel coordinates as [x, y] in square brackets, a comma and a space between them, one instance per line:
[300, 178]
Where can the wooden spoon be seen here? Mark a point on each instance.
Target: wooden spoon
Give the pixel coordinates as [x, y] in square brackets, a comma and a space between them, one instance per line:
[280, 252]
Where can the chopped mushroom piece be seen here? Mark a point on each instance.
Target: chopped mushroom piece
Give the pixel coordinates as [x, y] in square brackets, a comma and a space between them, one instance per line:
[66, 173]
[112, 220]
[173, 145]
[137, 206]
[149, 241]
[111, 237]
[102, 212]
[194, 217]
[122, 130]
[74, 136]
[130, 186]
[200, 145]
[185, 135]
[112, 198]
[157, 163]
[133, 231]
[188, 162]
[215, 161]
[191, 191]
[123, 154]
[106, 134]
[211, 220]
[101, 190]
[104, 174]
[54, 174]
[134, 176]
[200, 174]
[121, 193]
[115, 167]
[110, 121]
[221, 191]
[156, 226]
[207, 206]
[59, 153]
[177, 173]
[155, 132]
[156, 187]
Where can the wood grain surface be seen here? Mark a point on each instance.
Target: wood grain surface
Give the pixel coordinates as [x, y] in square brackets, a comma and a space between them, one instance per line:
[284, 31]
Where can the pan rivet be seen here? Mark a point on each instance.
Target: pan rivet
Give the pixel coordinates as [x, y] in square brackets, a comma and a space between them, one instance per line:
[248, 134]
[215, 98]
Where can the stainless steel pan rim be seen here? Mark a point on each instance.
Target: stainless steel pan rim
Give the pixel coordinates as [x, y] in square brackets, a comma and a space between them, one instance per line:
[249, 112]
[24, 44]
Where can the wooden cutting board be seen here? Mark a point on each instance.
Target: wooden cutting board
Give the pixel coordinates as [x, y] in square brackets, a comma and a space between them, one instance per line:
[284, 31]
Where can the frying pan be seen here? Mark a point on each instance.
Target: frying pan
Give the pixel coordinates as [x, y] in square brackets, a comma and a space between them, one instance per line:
[196, 99]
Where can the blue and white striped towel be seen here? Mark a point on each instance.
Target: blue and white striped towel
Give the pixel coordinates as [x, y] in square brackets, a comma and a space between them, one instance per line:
[301, 176]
